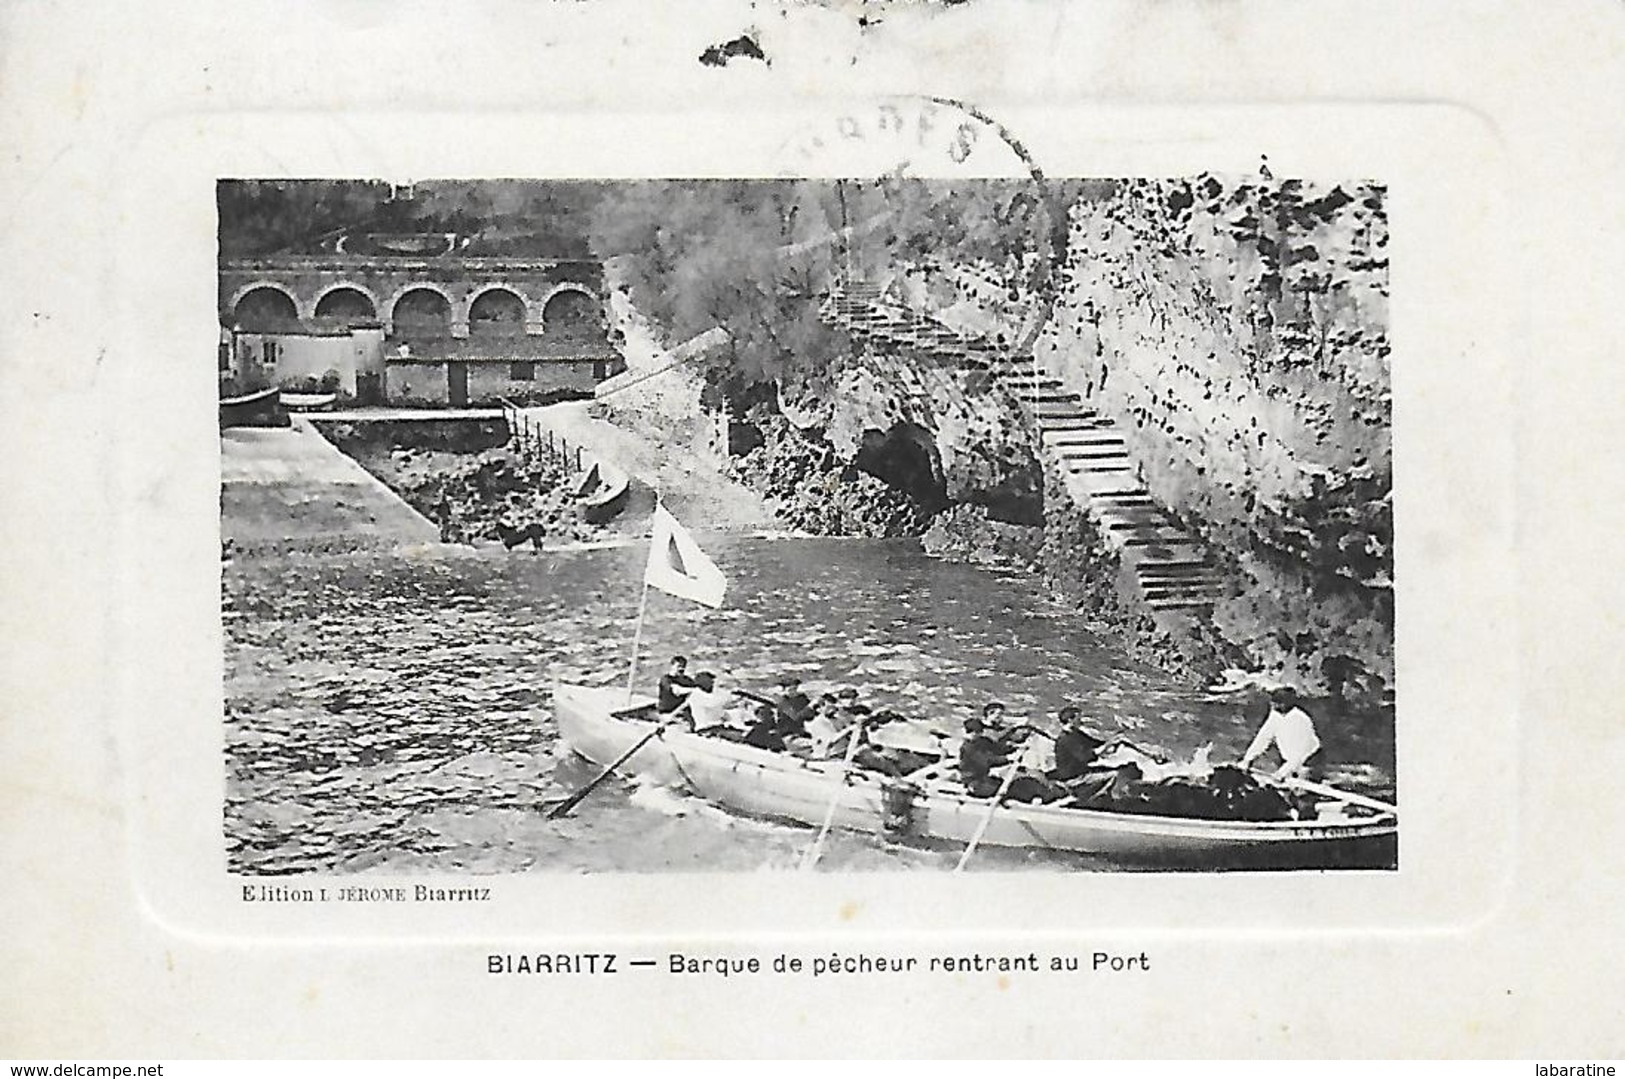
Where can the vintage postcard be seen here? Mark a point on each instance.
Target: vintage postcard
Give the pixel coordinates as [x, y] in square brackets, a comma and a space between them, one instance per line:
[891, 542]
[472, 438]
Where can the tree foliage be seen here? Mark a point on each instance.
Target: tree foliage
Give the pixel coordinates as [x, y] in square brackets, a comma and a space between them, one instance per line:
[754, 257]
[519, 218]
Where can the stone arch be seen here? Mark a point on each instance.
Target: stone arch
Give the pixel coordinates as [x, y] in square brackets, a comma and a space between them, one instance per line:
[498, 309]
[254, 303]
[346, 301]
[422, 315]
[905, 457]
[570, 308]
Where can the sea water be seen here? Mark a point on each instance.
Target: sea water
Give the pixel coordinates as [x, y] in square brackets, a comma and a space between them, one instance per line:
[390, 710]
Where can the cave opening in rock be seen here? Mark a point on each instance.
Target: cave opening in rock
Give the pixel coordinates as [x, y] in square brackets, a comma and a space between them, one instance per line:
[905, 457]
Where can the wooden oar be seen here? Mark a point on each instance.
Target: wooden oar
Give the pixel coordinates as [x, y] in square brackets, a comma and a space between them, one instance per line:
[987, 818]
[575, 799]
[810, 858]
[1333, 792]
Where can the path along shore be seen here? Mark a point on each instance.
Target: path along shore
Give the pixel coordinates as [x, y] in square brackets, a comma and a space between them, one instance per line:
[288, 488]
[291, 489]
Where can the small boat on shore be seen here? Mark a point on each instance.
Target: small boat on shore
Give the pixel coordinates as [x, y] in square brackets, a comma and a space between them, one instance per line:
[601, 492]
[308, 402]
[600, 725]
[262, 408]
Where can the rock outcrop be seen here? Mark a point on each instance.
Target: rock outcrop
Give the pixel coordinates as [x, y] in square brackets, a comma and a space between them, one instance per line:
[1237, 331]
[1214, 373]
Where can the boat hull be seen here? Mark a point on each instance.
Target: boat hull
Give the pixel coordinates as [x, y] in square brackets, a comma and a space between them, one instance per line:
[308, 402]
[260, 409]
[779, 786]
[602, 493]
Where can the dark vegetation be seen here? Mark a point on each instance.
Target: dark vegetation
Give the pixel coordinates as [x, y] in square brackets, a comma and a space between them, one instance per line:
[516, 218]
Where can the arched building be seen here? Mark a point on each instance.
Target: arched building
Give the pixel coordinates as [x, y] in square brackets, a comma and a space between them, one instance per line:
[420, 319]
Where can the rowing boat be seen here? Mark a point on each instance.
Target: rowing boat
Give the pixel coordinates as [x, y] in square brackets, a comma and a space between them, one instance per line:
[601, 491]
[308, 402]
[262, 408]
[600, 725]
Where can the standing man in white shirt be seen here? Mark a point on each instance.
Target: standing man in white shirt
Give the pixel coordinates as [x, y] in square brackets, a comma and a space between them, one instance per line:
[1289, 728]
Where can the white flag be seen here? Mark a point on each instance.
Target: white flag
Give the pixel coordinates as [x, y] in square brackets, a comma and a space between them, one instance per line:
[677, 565]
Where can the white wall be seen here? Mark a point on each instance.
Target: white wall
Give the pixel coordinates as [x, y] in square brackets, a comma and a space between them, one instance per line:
[303, 358]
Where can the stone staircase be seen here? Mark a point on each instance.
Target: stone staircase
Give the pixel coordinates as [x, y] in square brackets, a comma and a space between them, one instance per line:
[1170, 566]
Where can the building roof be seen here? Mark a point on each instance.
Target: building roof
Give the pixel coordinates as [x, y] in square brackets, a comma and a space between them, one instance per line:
[303, 327]
[510, 349]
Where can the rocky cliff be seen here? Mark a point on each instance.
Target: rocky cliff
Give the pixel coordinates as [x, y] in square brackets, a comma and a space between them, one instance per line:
[1234, 330]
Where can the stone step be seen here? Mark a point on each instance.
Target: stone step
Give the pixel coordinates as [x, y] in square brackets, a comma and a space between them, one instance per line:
[1191, 598]
[1090, 453]
[1169, 588]
[1099, 436]
[1151, 527]
[1126, 498]
[1028, 378]
[1157, 541]
[1076, 420]
[1138, 529]
[1181, 601]
[1173, 564]
[1081, 469]
[1207, 579]
[1212, 589]
[1132, 514]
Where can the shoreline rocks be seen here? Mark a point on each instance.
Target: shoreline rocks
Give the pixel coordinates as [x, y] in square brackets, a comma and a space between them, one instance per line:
[475, 491]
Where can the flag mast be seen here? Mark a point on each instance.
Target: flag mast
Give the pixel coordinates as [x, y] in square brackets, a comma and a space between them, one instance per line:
[643, 609]
[678, 567]
[637, 640]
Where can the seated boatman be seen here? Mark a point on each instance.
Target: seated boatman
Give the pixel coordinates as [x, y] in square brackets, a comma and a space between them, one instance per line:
[982, 750]
[675, 684]
[781, 725]
[986, 748]
[875, 753]
[793, 707]
[1076, 748]
[706, 704]
[764, 732]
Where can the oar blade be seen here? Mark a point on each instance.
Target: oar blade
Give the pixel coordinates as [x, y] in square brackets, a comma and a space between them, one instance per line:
[579, 796]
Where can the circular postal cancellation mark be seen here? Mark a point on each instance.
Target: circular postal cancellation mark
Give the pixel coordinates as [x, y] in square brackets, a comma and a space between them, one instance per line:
[922, 136]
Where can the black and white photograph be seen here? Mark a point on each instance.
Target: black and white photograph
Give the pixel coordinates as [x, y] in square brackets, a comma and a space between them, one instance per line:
[830, 529]
[901, 523]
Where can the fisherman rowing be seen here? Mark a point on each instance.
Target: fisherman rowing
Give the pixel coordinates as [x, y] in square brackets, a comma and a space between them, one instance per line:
[1076, 767]
[823, 754]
